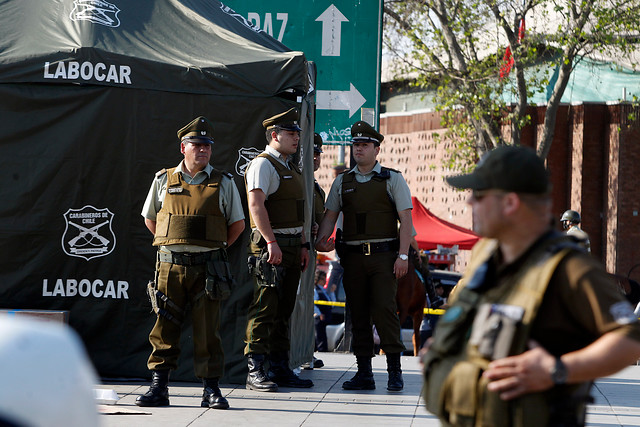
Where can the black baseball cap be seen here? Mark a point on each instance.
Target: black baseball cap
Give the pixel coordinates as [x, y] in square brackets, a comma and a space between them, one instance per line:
[510, 168]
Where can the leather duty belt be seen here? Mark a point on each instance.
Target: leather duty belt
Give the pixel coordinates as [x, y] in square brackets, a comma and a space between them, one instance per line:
[185, 258]
[369, 248]
[288, 239]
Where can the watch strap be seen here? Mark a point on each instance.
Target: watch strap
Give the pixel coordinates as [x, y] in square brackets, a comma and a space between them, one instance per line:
[559, 372]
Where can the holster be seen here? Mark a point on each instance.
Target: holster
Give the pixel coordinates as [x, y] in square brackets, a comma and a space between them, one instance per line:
[154, 294]
[219, 279]
[257, 239]
[267, 275]
[341, 246]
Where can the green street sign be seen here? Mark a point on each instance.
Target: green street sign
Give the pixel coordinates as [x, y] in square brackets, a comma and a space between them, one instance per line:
[343, 38]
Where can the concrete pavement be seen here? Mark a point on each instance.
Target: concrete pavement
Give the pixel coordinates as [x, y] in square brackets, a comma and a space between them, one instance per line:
[617, 401]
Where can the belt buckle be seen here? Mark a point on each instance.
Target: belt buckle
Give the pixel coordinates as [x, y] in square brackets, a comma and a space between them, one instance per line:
[366, 248]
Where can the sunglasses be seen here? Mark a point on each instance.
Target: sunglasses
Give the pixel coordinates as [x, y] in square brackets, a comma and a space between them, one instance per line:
[478, 195]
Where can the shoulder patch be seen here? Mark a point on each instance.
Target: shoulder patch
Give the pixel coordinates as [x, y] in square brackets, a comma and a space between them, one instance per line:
[622, 313]
[161, 172]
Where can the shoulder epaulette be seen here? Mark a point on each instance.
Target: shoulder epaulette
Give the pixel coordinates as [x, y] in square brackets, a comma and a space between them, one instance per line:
[385, 173]
[391, 170]
[161, 172]
[223, 173]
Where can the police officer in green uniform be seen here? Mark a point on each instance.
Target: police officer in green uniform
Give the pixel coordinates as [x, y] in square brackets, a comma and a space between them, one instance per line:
[318, 192]
[279, 252]
[373, 252]
[534, 320]
[318, 214]
[194, 212]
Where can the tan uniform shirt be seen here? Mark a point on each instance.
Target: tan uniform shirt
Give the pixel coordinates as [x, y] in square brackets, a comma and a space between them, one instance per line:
[260, 174]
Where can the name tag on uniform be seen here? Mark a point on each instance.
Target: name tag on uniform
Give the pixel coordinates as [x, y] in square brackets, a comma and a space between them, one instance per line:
[173, 190]
[287, 176]
[349, 190]
[494, 329]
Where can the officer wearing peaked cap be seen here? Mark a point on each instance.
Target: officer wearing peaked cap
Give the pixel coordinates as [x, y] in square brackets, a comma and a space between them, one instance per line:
[374, 251]
[318, 213]
[194, 213]
[287, 120]
[199, 129]
[317, 144]
[279, 253]
[318, 192]
[534, 319]
[362, 132]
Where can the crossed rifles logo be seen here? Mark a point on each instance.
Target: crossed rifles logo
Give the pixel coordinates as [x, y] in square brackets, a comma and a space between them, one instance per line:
[96, 11]
[93, 239]
[245, 155]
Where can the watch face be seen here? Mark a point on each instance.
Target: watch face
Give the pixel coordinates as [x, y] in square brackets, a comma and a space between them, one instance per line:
[559, 373]
[403, 257]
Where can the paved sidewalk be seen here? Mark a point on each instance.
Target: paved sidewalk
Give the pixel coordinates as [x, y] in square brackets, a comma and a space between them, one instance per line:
[326, 404]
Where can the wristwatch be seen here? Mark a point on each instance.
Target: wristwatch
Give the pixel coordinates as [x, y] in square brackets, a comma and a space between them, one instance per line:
[403, 257]
[559, 372]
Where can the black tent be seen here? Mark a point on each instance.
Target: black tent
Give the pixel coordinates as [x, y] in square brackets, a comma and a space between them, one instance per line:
[91, 95]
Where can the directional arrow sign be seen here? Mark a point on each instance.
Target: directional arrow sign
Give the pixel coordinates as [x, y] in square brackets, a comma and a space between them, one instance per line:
[343, 38]
[350, 100]
[332, 21]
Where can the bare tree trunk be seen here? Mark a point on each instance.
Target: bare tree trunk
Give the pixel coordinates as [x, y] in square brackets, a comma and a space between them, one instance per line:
[552, 109]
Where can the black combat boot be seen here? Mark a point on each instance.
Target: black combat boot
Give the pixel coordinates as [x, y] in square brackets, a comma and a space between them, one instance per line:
[257, 379]
[281, 374]
[158, 394]
[363, 379]
[395, 382]
[212, 396]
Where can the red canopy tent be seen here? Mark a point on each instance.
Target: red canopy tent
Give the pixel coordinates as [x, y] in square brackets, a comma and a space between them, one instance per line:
[433, 231]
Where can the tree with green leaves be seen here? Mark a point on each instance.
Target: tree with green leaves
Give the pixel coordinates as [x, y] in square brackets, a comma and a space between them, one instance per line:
[476, 54]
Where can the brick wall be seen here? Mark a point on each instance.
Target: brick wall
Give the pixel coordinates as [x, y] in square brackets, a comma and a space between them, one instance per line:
[594, 165]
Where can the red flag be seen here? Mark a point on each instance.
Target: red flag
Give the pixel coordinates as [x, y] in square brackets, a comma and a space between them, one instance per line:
[507, 59]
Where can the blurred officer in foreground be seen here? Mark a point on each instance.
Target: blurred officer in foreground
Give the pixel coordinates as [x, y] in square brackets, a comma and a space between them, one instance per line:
[194, 212]
[570, 220]
[373, 252]
[279, 253]
[535, 319]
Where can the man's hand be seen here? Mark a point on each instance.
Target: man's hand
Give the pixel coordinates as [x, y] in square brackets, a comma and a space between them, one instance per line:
[525, 373]
[275, 253]
[400, 268]
[325, 245]
[304, 261]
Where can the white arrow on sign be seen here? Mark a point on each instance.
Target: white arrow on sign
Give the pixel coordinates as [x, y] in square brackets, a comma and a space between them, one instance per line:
[332, 20]
[350, 100]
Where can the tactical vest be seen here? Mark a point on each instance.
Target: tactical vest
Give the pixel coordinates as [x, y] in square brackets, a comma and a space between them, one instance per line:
[368, 210]
[455, 389]
[286, 206]
[190, 214]
[318, 203]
